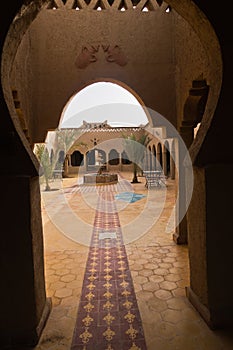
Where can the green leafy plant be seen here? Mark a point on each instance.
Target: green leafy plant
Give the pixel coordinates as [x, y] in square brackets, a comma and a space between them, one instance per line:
[135, 149]
[47, 166]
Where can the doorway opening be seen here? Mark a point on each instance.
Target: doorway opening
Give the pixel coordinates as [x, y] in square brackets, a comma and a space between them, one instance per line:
[101, 144]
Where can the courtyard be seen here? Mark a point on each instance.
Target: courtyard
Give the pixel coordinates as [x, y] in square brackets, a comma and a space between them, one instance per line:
[159, 268]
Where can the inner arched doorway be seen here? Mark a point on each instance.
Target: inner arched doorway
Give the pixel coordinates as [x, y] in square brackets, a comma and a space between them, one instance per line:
[104, 103]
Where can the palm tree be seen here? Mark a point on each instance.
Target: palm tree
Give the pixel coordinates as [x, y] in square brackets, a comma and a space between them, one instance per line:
[65, 138]
[135, 148]
[64, 141]
[46, 163]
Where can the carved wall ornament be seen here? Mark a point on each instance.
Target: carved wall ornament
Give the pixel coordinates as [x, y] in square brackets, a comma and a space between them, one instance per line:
[89, 54]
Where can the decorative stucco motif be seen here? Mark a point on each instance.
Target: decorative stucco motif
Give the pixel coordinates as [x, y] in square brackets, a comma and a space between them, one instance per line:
[89, 54]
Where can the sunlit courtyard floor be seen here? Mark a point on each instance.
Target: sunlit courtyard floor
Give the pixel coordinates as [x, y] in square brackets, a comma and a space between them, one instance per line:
[158, 266]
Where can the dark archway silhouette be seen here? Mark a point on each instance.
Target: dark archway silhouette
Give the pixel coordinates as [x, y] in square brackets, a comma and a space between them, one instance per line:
[160, 155]
[113, 157]
[76, 158]
[167, 158]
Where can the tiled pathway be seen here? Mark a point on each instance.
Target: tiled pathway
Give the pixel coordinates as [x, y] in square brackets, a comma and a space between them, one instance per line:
[108, 315]
[159, 269]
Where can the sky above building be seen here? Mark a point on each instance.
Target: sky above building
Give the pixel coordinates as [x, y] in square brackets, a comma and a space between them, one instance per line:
[103, 101]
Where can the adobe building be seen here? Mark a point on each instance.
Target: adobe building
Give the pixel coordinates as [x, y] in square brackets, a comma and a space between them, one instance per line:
[175, 56]
[101, 145]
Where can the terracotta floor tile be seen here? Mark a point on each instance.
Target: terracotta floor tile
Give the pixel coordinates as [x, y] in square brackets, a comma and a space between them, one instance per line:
[178, 303]
[150, 286]
[168, 285]
[172, 316]
[63, 293]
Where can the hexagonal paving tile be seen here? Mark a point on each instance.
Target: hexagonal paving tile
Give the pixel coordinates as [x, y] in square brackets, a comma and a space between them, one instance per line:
[68, 278]
[150, 286]
[57, 285]
[62, 256]
[144, 295]
[136, 267]
[168, 285]
[179, 292]
[140, 279]
[145, 272]
[178, 264]
[182, 283]
[56, 301]
[68, 261]
[163, 294]
[169, 260]
[151, 266]
[166, 330]
[164, 250]
[157, 304]
[176, 270]
[156, 278]
[58, 266]
[148, 256]
[164, 265]
[172, 316]
[172, 277]
[49, 272]
[177, 303]
[52, 278]
[172, 255]
[62, 272]
[76, 283]
[68, 302]
[63, 292]
[142, 261]
[58, 312]
[162, 272]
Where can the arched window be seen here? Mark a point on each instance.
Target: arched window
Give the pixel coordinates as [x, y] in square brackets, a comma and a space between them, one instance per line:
[168, 158]
[61, 157]
[101, 156]
[113, 157]
[91, 157]
[125, 159]
[76, 158]
[154, 157]
[150, 158]
[159, 156]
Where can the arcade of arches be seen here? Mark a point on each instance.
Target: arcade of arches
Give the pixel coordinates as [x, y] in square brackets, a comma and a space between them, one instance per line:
[175, 56]
[83, 156]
